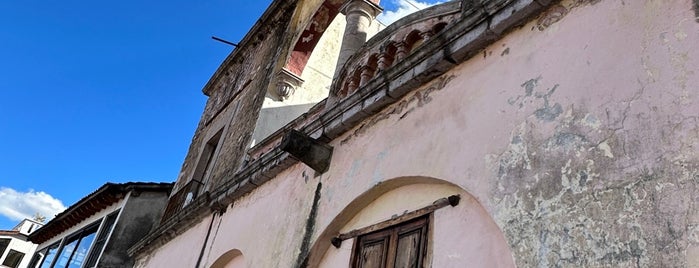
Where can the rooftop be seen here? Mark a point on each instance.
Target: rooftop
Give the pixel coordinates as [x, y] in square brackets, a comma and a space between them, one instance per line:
[96, 201]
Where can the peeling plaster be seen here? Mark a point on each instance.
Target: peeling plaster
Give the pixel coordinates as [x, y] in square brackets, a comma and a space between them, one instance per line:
[585, 193]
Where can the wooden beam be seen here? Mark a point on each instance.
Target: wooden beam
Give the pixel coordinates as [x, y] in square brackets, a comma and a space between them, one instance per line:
[440, 203]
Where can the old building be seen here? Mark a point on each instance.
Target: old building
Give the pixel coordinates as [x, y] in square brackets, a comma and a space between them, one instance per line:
[97, 230]
[483, 133]
[15, 248]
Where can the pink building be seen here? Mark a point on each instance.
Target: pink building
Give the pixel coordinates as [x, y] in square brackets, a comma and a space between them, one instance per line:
[475, 133]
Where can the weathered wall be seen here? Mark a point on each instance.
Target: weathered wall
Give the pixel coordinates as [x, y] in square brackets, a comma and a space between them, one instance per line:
[603, 169]
[253, 225]
[244, 76]
[317, 76]
[575, 133]
[140, 213]
[182, 251]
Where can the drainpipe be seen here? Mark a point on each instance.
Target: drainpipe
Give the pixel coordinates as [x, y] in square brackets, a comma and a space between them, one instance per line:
[206, 240]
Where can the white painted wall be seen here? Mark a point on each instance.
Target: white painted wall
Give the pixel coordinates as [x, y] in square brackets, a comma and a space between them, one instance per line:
[25, 247]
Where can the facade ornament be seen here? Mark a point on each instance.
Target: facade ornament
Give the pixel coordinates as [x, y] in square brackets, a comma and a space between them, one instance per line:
[286, 84]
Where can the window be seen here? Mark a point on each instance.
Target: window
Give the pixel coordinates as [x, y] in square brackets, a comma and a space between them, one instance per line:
[50, 254]
[13, 258]
[72, 252]
[3, 245]
[75, 248]
[203, 167]
[35, 260]
[101, 239]
[399, 246]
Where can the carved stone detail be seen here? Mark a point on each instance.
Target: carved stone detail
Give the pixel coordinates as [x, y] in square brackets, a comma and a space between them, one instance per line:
[286, 84]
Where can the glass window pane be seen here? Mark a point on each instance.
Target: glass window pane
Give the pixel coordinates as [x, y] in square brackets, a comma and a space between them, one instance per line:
[37, 257]
[13, 258]
[101, 239]
[3, 245]
[65, 253]
[50, 255]
[82, 248]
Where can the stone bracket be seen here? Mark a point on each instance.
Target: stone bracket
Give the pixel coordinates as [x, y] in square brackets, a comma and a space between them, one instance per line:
[287, 83]
[311, 152]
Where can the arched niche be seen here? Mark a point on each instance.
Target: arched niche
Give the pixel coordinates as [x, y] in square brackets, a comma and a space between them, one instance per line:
[231, 259]
[458, 236]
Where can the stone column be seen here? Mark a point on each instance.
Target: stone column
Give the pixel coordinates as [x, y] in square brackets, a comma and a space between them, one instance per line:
[359, 15]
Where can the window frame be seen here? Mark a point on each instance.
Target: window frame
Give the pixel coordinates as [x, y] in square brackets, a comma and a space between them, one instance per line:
[4, 246]
[17, 261]
[391, 235]
[45, 253]
[102, 236]
[60, 245]
[205, 163]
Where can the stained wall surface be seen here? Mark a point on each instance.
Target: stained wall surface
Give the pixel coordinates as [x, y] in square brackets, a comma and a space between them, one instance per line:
[573, 138]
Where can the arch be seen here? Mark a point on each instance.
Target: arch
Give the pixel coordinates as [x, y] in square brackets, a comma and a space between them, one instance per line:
[413, 40]
[231, 259]
[387, 55]
[482, 240]
[439, 27]
[368, 71]
[313, 30]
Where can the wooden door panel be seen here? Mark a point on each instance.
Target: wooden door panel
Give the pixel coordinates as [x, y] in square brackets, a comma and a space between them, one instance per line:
[408, 250]
[373, 255]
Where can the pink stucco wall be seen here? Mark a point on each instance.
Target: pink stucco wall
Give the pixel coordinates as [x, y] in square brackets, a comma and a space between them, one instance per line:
[574, 135]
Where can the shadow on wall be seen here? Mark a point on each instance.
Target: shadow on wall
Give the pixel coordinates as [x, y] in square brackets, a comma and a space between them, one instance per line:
[464, 234]
[272, 118]
[231, 259]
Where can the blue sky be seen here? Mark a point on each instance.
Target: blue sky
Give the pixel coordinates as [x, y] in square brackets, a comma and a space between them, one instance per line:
[94, 92]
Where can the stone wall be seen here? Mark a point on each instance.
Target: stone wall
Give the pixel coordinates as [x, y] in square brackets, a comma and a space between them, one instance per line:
[236, 92]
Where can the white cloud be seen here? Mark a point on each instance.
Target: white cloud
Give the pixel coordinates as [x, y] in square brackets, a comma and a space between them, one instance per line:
[20, 205]
[405, 7]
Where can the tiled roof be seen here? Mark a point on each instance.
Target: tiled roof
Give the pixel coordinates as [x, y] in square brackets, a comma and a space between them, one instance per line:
[96, 201]
[13, 233]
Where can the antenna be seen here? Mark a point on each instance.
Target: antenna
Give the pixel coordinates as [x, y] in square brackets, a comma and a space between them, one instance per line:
[224, 41]
[411, 3]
